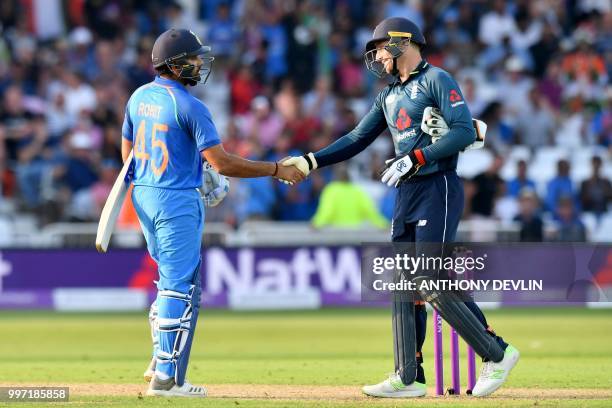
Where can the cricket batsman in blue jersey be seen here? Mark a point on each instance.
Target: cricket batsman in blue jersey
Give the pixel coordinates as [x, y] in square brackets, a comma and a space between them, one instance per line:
[171, 133]
[429, 202]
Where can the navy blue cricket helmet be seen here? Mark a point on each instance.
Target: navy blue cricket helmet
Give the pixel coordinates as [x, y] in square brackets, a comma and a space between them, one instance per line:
[174, 47]
[396, 30]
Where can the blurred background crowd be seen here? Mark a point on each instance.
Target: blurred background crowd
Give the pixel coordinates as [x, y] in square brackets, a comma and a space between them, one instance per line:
[289, 78]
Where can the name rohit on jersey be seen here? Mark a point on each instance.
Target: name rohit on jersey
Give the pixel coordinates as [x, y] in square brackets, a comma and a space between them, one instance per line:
[149, 110]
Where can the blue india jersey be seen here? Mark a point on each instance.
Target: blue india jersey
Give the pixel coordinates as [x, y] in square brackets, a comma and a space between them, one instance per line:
[168, 128]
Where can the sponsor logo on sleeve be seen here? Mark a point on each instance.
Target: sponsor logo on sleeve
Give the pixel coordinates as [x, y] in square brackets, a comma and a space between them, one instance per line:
[455, 98]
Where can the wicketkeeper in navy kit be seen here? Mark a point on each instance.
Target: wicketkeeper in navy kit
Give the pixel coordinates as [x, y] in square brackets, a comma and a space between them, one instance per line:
[429, 202]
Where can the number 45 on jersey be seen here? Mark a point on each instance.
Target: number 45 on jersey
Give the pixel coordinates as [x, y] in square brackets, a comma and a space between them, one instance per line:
[115, 199]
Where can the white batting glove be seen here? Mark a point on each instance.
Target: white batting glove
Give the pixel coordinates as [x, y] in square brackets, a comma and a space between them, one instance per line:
[399, 170]
[433, 124]
[215, 186]
[305, 163]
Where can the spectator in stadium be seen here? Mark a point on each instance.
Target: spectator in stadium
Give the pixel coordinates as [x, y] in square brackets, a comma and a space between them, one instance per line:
[602, 122]
[496, 24]
[261, 123]
[349, 75]
[569, 226]
[528, 28]
[320, 102]
[583, 69]
[141, 71]
[256, 196]
[301, 25]
[560, 186]
[532, 227]
[596, 191]
[500, 134]
[223, 34]
[470, 93]
[75, 175]
[257, 199]
[516, 185]
[79, 95]
[505, 206]
[543, 49]
[99, 191]
[79, 169]
[550, 86]
[451, 32]
[487, 185]
[516, 85]
[25, 137]
[344, 204]
[243, 87]
[275, 38]
[536, 128]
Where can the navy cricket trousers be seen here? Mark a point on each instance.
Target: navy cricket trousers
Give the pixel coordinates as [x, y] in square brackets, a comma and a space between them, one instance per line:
[427, 210]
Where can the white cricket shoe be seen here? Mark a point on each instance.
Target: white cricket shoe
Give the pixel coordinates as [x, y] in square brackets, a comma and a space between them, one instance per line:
[493, 375]
[168, 388]
[393, 387]
[150, 371]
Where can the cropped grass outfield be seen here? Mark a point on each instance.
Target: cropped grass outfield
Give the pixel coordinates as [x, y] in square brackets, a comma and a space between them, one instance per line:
[562, 349]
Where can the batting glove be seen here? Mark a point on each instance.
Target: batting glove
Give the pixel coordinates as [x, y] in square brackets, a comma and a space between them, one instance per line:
[305, 163]
[402, 168]
[215, 186]
[433, 124]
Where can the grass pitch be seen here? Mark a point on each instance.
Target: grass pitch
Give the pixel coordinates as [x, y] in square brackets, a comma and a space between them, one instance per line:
[295, 359]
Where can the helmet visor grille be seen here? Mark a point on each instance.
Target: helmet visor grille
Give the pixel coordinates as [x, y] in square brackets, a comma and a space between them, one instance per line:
[191, 70]
[373, 65]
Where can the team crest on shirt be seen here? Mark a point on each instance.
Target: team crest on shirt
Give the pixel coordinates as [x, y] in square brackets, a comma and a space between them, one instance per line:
[414, 90]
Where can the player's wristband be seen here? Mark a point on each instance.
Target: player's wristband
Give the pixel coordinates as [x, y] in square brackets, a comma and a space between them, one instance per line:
[417, 157]
[275, 169]
[312, 162]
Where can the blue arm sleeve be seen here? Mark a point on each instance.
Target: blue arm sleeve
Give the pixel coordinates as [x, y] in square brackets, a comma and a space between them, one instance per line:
[127, 128]
[372, 124]
[446, 94]
[197, 121]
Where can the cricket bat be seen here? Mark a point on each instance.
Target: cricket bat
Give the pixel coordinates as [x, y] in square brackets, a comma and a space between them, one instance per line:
[112, 207]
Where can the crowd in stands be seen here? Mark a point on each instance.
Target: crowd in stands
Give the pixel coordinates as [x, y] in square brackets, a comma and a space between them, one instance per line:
[289, 78]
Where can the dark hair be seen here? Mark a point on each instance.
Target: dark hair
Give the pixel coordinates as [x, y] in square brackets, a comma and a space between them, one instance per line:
[163, 69]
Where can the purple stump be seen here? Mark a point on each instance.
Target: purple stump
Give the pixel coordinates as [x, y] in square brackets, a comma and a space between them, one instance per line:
[471, 371]
[438, 353]
[454, 350]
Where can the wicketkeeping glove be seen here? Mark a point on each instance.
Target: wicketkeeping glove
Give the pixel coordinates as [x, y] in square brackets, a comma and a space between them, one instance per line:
[215, 186]
[402, 168]
[433, 124]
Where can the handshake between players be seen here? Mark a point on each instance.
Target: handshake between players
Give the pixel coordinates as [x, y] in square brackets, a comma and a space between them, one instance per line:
[433, 124]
